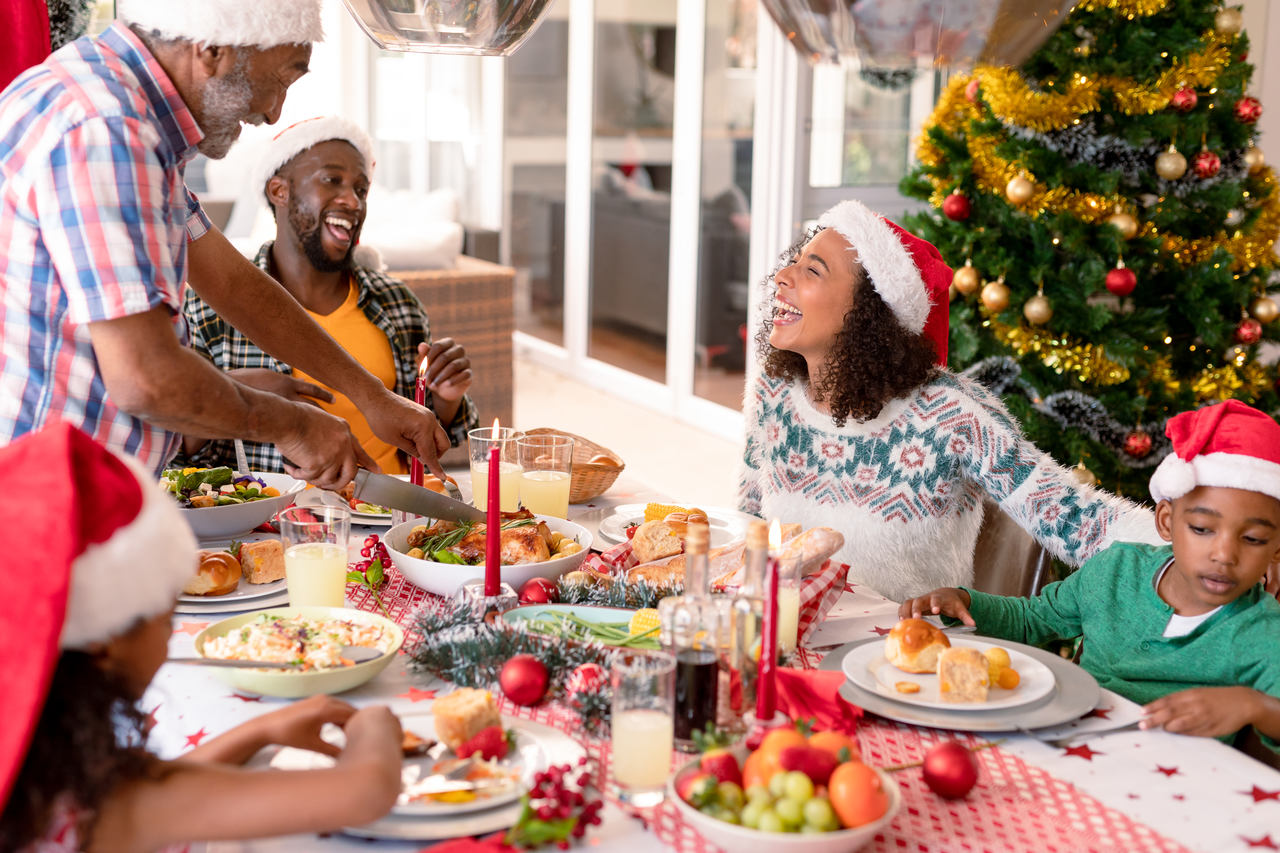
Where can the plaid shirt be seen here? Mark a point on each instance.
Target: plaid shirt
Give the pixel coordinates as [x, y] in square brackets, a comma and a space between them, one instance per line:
[387, 303]
[94, 224]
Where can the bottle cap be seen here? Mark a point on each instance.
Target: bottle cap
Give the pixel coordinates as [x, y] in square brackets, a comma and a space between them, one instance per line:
[697, 539]
[758, 536]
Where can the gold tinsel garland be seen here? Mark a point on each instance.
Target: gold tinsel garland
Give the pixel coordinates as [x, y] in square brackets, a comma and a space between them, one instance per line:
[1132, 8]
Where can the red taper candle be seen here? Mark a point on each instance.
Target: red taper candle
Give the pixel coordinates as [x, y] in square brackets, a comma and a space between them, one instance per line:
[419, 397]
[493, 529]
[766, 684]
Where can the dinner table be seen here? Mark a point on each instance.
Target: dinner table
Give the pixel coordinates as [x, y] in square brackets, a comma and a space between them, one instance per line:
[1094, 782]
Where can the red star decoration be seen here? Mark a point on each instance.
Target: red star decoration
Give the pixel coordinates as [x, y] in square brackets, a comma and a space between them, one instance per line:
[246, 698]
[881, 631]
[191, 628]
[194, 740]
[1168, 771]
[1100, 713]
[1179, 797]
[1259, 794]
[1082, 751]
[1264, 841]
[416, 695]
[152, 720]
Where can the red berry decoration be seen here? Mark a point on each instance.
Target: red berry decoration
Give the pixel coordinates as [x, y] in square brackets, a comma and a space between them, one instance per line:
[524, 680]
[539, 591]
[1248, 109]
[1121, 281]
[1206, 164]
[1137, 444]
[1249, 331]
[971, 90]
[950, 769]
[1184, 100]
[955, 207]
[587, 678]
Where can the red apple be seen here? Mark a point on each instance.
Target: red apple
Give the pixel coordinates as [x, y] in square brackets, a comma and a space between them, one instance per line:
[950, 769]
[813, 762]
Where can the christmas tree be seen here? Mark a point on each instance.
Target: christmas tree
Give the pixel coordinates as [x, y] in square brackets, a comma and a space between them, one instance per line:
[1112, 226]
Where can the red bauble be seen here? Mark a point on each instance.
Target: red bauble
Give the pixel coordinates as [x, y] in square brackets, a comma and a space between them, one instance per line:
[524, 680]
[1249, 331]
[971, 90]
[587, 678]
[1248, 109]
[539, 591]
[1184, 100]
[950, 769]
[1121, 281]
[1206, 164]
[955, 207]
[1137, 444]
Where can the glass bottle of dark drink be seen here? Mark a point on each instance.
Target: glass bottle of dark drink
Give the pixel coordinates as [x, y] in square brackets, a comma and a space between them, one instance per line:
[692, 630]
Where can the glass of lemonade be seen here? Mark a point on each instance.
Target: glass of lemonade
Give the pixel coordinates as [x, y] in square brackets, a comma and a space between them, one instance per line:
[315, 555]
[788, 606]
[547, 463]
[479, 441]
[643, 726]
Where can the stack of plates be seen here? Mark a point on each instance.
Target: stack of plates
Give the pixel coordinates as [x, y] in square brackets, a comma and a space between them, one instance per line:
[320, 497]
[247, 596]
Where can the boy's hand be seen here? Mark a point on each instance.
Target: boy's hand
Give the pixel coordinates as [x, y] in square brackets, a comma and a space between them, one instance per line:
[945, 602]
[299, 724]
[1203, 711]
[374, 730]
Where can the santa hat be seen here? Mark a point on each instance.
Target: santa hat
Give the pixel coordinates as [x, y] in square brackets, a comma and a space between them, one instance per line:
[1229, 445]
[243, 23]
[93, 545]
[907, 272]
[301, 135]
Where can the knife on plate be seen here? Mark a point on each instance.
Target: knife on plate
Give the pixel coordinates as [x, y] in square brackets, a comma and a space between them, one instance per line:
[385, 490]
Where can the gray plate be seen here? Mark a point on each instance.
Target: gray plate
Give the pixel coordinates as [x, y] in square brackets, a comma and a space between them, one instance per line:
[1076, 693]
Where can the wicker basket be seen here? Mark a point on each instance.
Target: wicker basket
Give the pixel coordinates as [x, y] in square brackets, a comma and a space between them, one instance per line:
[590, 479]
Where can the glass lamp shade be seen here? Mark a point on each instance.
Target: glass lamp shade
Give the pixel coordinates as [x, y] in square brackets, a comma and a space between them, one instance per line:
[899, 34]
[471, 27]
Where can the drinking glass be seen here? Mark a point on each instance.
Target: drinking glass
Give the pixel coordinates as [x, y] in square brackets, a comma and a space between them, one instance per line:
[643, 726]
[479, 441]
[788, 605]
[547, 461]
[315, 554]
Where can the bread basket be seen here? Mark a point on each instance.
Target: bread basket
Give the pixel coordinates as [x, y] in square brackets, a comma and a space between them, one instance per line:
[590, 479]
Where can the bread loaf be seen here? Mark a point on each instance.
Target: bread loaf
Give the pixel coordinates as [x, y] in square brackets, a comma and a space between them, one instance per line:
[217, 574]
[262, 562]
[962, 675]
[461, 715]
[913, 645]
[654, 540]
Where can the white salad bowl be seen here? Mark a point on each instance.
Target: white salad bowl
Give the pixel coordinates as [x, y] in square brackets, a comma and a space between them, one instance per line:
[223, 522]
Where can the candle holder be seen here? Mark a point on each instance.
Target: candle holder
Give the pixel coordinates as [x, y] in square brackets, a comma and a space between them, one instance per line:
[757, 729]
[471, 595]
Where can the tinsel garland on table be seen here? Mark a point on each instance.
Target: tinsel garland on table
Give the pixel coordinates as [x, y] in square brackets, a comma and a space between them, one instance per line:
[618, 593]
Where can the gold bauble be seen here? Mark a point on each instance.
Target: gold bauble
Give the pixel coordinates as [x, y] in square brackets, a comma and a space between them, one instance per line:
[1083, 475]
[1228, 21]
[1019, 190]
[1264, 309]
[966, 279]
[1253, 158]
[995, 296]
[1171, 165]
[1038, 310]
[952, 293]
[1124, 223]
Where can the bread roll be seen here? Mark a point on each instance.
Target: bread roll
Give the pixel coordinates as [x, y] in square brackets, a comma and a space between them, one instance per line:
[262, 562]
[913, 645]
[460, 715]
[654, 540]
[962, 675]
[602, 459]
[218, 574]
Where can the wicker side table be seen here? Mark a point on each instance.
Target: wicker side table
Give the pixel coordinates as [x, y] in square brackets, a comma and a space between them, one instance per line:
[473, 303]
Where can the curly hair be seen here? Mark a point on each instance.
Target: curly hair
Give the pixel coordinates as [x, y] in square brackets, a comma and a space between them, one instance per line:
[89, 739]
[872, 361]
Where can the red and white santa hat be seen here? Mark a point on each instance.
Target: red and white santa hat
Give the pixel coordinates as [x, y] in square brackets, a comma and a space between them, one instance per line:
[93, 545]
[237, 23]
[304, 134]
[1228, 444]
[907, 272]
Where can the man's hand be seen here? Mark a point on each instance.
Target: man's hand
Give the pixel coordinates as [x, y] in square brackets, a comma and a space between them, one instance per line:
[448, 368]
[321, 449]
[281, 384]
[408, 426]
[941, 602]
[1204, 711]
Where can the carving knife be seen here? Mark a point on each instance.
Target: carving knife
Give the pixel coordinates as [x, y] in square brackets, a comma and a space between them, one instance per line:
[385, 490]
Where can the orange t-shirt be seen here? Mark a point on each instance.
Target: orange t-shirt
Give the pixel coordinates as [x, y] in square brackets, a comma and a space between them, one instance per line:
[366, 343]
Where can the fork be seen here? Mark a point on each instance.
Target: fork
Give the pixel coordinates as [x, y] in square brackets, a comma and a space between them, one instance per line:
[1069, 740]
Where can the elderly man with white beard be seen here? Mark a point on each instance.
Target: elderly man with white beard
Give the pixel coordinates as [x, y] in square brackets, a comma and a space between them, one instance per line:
[101, 237]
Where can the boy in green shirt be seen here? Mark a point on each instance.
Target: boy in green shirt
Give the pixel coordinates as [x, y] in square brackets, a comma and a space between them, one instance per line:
[1185, 629]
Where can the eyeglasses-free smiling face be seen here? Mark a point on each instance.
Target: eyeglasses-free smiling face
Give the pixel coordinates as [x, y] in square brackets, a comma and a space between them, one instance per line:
[814, 293]
[1224, 541]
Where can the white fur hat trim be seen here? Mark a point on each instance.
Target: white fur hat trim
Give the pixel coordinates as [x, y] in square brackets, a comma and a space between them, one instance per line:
[1175, 476]
[300, 136]
[135, 574]
[245, 23]
[888, 264]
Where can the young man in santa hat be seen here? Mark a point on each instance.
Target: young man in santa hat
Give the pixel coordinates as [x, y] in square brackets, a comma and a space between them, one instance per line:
[81, 637]
[854, 422]
[1185, 628]
[102, 235]
[315, 177]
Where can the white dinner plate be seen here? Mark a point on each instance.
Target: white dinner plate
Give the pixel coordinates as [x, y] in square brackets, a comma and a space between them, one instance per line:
[727, 525]
[221, 605]
[245, 592]
[320, 497]
[867, 667]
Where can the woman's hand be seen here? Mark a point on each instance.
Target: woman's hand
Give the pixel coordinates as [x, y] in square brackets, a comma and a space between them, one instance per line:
[941, 602]
[1203, 711]
[299, 724]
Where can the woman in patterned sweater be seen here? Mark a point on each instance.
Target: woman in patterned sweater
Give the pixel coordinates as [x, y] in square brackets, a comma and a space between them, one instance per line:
[855, 423]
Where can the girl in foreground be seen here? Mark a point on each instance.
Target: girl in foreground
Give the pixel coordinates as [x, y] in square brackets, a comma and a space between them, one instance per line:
[855, 423]
[80, 640]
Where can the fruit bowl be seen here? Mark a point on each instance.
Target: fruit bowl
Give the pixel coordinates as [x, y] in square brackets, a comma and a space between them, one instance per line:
[741, 839]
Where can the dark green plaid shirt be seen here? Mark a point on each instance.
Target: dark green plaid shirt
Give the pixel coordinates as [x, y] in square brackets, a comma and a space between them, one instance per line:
[387, 303]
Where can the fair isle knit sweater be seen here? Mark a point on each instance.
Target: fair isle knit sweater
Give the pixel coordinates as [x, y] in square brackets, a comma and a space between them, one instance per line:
[906, 488]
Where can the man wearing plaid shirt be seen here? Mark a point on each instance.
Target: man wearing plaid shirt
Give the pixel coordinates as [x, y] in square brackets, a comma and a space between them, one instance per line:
[315, 176]
[100, 235]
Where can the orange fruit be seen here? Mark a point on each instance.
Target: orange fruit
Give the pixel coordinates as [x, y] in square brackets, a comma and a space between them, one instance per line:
[833, 742]
[856, 794]
[779, 739]
[758, 769]
[1009, 679]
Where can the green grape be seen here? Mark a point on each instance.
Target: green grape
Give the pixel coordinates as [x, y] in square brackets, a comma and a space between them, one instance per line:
[730, 796]
[819, 815]
[798, 786]
[751, 813]
[791, 811]
[778, 784]
[770, 822]
[759, 794]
